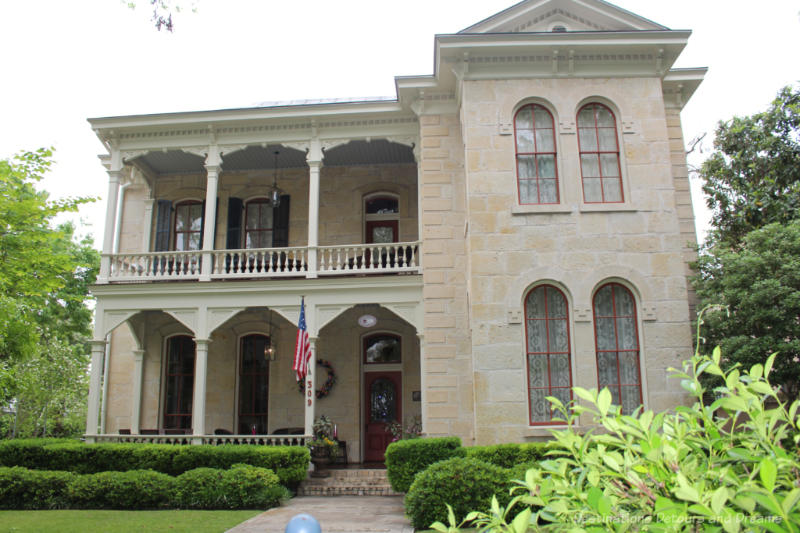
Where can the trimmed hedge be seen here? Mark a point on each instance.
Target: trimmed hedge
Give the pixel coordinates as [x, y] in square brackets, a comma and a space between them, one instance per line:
[405, 458]
[509, 455]
[290, 463]
[466, 483]
[240, 487]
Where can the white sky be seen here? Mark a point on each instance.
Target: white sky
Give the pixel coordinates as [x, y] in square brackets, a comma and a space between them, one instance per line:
[66, 61]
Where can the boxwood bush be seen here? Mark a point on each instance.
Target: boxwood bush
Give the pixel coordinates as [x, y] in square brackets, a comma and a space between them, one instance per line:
[21, 488]
[467, 484]
[290, 463]
[509, 455]
[133, 489]
[241, 487]
[405, 458]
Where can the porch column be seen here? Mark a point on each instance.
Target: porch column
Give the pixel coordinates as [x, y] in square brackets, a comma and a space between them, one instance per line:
[114, 173]
[314, 160]
[199, 397]
[423, 381]
[417, 150]
[136, 408]
[311, 387]
[147, 224]
[93, 408]
[213, 162]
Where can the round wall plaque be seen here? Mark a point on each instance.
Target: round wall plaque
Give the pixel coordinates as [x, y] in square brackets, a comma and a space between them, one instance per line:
[367, 321]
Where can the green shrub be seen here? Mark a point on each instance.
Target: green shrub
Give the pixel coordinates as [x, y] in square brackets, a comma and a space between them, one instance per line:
[21, 488]
[199, 489]
[134, 489]
[405, 458]
[290, 463]
[467, 484]
[509, 455]
[249, 487]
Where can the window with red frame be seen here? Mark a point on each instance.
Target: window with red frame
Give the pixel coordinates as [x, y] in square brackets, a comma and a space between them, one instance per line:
[179, 383]
[599, 152]
[548, 351]
[188, 226]
[253, 385]
[537, 175]
[258, 224]
[617, 341]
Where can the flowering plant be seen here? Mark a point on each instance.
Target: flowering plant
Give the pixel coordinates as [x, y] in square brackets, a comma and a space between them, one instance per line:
[323, 435]
[412, 429]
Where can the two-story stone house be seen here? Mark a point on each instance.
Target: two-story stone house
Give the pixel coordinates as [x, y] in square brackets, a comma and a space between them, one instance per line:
[510, 226]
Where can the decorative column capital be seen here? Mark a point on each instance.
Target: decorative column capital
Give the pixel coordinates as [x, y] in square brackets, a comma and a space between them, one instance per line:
[202, 343]
[315, 153]
[138, 355]
[213, 157]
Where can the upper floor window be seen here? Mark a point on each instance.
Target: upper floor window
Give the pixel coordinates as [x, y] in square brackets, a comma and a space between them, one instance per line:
[188, 226]
[599, 152]
[617, 342]
[548, 351]
[258, 224]
[381, 224]
[537, 175]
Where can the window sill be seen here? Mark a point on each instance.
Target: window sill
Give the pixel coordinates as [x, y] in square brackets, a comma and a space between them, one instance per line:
[607, 208]
[544, 431]
[544, 209]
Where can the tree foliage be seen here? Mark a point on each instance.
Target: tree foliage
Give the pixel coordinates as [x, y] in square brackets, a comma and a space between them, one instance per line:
[753, 177]
[44, 278]
[749, 263]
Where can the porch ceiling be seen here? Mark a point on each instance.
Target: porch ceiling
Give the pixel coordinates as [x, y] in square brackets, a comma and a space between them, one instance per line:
[353, 153]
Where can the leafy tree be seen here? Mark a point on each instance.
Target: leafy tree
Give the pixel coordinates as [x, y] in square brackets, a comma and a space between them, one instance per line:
[749, 263]
[753, 177]
[44, 274]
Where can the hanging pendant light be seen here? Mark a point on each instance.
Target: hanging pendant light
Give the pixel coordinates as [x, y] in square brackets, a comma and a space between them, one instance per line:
[269, 349]
[275, 192]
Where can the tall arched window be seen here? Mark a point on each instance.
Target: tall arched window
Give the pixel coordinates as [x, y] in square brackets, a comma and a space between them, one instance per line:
[258, 224]
[537, 175]
[617, 341]
[548, 351]
[179, 382]
[381, 218]
[188, 225]
[253, 385]
[599, 151]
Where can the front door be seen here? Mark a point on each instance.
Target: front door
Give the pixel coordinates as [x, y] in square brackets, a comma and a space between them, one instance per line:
[383, 399]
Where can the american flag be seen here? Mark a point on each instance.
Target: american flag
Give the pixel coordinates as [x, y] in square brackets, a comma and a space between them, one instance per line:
[302, 350]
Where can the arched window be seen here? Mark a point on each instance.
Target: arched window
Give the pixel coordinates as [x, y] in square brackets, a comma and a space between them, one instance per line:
[382, 348]
[537, 175]
[253, 385]
[599, 151]
[258, 224]
[617, 341]
[179, 382]
[548, 351]
[188, 225]
[381, 218]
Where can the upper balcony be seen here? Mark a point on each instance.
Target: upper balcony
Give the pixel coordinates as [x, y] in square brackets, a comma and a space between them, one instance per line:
[264, 211]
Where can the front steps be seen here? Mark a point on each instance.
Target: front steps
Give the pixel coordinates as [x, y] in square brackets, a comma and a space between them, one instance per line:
[349, 482]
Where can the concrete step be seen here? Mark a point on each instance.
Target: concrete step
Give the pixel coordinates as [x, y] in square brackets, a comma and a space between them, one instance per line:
[349, 482]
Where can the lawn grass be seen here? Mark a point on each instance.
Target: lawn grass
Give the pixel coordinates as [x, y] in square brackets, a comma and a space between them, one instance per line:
[121, 521]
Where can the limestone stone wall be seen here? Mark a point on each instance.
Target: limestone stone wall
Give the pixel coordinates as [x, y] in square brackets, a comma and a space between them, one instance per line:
[574, 246]
[447, 352]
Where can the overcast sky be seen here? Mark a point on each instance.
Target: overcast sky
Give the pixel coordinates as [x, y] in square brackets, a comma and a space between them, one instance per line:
[66, 61]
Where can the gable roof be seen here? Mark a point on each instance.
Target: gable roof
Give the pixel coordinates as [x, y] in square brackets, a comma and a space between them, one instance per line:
[575, 15]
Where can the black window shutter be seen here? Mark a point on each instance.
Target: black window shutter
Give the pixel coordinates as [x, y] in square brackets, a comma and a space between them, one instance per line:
[280, 221]
[162, 226]
[234, 239]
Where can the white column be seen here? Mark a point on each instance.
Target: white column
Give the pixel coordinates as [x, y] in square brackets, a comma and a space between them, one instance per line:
[148, 224]
[423, 381]
[114, 172]
[138, 374]
[418, 157]
[199, 398]
[311, 387]
[93, 408]
[314, 160]
[213, 162]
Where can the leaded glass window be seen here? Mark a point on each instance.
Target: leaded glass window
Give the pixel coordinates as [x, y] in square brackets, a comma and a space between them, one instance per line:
[537, 175]
[617, 342]
[599, 154]
[548, 351]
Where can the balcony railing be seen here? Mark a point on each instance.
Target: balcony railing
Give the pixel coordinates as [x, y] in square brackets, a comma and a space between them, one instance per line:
[257, 440]
[307, 262]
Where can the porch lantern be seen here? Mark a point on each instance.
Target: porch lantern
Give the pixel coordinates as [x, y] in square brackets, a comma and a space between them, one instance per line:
[270, 354]
[274, 193]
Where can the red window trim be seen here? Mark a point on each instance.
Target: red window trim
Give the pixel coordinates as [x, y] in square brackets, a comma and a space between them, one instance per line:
[253, 377]
[189, 232]
[170, 419]
[568, 353]
[637, 350]
[536, 153]
[581, 152]
[261, 202]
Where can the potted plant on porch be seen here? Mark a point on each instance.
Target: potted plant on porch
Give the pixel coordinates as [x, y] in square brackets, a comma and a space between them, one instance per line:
[323, 446]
